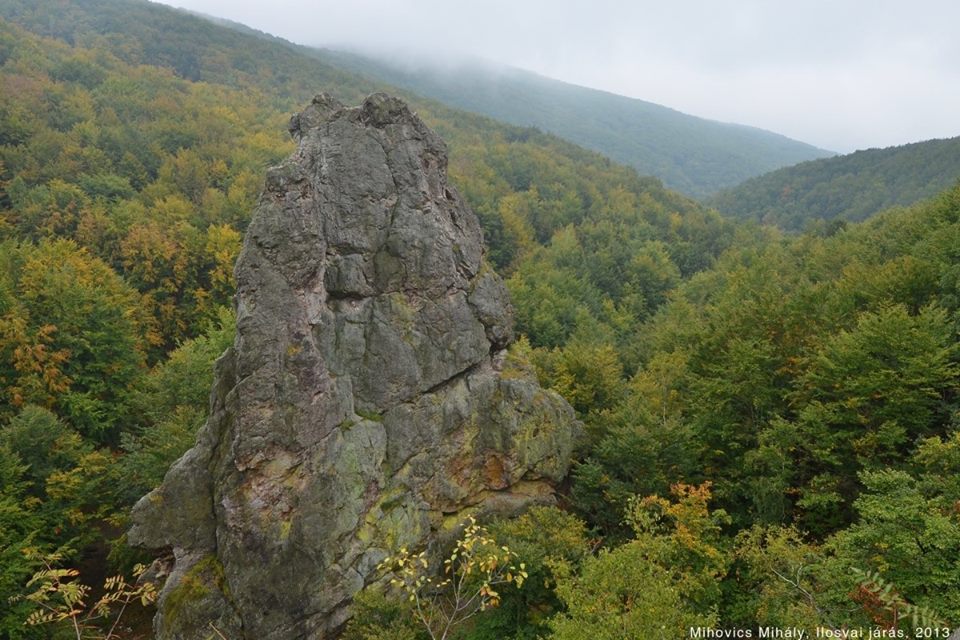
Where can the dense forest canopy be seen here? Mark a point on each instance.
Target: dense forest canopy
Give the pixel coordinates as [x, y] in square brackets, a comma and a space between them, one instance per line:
[845, 188]
[771, 421]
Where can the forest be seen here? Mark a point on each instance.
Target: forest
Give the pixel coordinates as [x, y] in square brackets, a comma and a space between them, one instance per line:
[694, 156]
[772, 427]
[848, 188]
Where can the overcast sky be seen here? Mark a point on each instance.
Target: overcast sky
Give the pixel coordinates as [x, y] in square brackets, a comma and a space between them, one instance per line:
[840, 74]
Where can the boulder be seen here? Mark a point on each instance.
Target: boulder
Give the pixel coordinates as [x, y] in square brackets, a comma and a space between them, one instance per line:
[367, 403]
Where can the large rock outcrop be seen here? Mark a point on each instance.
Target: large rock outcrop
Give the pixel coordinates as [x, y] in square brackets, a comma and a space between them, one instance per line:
[364, 405]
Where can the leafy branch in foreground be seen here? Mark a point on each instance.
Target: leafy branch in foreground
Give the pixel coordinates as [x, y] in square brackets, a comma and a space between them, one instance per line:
[887, 607]
[476, 567]
[60, 599]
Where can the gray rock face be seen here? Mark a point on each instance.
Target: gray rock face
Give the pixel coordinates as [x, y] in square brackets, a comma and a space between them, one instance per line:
[364, 405]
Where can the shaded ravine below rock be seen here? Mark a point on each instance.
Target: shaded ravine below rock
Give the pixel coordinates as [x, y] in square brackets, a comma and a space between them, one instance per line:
[364, 405]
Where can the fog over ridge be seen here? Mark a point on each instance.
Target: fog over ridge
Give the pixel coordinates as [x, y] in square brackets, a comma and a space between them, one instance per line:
[842, 75]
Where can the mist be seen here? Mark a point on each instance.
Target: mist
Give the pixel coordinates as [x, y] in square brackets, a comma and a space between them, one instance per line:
[842, 75]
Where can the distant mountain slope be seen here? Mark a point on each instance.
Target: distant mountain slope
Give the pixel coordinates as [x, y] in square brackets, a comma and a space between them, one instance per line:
[196, 49]
[851, 187]
[693, 155]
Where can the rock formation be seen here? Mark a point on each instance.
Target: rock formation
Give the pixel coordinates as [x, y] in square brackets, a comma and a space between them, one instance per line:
[365, 404]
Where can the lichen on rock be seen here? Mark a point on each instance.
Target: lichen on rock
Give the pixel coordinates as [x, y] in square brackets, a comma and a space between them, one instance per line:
[362, 406]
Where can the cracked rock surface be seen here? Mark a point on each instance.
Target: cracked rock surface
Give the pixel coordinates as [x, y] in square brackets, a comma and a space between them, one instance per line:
[364, 405]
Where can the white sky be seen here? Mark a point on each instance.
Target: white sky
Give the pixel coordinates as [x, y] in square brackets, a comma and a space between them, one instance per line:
[840, 74]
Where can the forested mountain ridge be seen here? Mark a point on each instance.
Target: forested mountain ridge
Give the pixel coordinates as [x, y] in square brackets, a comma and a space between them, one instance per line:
[850, 188]
[693, 155]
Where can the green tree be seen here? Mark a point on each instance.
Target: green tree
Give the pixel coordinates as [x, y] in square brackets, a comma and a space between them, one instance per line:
[19, 523]
[906, 536]
[171, 403]
[776, 581]
[658, 585]
[76, 307]
[553, 544]
[867, 396]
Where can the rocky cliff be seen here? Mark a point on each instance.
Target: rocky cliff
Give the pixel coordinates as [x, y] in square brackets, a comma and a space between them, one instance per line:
[365, 404]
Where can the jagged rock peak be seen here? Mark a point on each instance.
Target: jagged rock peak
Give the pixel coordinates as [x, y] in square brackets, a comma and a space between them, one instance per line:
[368, 401]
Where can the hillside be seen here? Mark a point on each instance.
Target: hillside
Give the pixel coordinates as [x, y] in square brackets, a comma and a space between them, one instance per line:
[133, 143]
[769, 421]
[851, 187]
[109, 98]
[695, 156]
